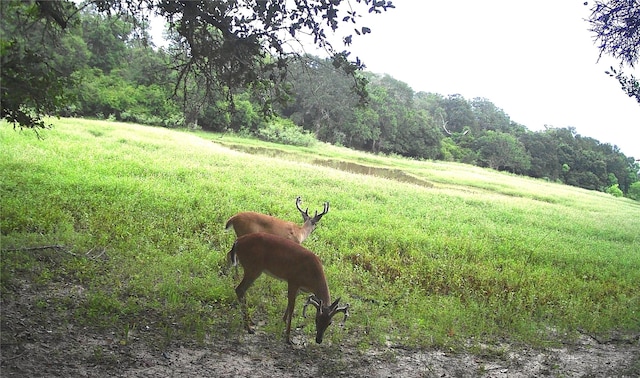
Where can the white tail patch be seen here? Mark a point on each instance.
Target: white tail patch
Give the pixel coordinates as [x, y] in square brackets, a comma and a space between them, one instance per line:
[233, 258]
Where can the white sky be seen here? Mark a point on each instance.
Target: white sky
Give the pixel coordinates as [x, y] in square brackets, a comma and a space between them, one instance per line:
[535, 60]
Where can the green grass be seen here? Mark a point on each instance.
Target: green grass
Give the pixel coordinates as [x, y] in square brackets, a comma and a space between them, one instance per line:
[481, 255]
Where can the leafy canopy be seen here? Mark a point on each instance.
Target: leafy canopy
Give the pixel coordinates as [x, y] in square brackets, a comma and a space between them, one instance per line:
[223, 45]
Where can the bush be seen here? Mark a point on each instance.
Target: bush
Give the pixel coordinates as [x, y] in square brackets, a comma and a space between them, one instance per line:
[615, 191]
[285, 131]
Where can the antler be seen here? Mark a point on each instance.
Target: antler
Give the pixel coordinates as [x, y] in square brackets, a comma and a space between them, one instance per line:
[316, 218]
[317, 303]
[345, 310]
[334, 309]
[305, 213]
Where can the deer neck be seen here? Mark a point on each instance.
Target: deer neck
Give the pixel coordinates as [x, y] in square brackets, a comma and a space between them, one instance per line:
[305, 231]
[322, 292]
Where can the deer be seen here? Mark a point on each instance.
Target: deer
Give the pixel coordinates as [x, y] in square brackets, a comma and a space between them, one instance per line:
[288, 261]
[248, 222]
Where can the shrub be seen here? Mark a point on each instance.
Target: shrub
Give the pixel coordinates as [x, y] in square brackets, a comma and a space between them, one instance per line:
[285, 131]
[614, 190]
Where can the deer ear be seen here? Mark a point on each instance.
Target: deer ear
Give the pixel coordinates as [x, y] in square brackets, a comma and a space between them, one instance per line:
[334, 305]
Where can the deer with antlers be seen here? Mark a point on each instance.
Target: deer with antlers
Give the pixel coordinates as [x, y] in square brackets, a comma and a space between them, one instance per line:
[288, 261]
[249, 222]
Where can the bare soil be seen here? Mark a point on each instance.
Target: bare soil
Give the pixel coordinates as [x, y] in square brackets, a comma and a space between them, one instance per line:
[39, 340]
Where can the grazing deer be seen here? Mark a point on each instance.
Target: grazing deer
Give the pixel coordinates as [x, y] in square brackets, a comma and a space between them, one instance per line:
[249, 222]
[288, 261]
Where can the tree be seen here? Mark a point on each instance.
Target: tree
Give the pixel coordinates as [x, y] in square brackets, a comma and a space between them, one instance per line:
[542, 147]
[228, 45]
[488, 116]
[459, 114]
[33, 72]
[502, 151]
[386, 107]
[616, 24]
[404, 128]
[634, 191]
[106, 39]
[322, 99]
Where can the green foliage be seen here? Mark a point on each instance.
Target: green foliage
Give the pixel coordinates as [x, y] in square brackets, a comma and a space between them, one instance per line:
[35, 68]
[634, 191]
[562, 154]
[502, 151]
[106, 38]
[490, 117]
[113, 95]
[286, 132]
[245, 117]
[481, 255]
[459, 114]
[223, 54]
[402, 128]
[451, 151]
[614, 190]
[323, 103]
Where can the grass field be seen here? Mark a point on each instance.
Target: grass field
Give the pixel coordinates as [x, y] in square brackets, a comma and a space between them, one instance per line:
[132, 217]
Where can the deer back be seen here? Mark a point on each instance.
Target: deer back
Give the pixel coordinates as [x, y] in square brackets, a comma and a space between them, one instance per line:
[249, 222]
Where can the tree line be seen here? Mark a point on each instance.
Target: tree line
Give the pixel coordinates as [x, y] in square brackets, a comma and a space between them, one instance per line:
[112, 70]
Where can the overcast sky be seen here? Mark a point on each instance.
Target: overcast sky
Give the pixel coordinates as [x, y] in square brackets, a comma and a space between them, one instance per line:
[535, 60]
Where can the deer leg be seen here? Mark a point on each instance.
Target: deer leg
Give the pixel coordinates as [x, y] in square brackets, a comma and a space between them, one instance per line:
[241, 290]
[288, 314]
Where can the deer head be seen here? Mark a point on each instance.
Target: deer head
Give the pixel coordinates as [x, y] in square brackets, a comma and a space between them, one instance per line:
[324, 314]
[305, 214]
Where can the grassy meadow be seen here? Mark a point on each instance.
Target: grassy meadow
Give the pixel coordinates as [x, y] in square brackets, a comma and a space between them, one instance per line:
[125, 223]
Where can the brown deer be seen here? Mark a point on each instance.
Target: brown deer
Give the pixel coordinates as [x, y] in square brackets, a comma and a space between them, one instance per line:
[288, 261]
[250, 222]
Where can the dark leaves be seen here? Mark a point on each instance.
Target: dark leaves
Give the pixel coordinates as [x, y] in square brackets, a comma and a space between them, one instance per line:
[616, 24]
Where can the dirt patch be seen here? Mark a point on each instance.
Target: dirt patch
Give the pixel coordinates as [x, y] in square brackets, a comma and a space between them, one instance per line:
[38, 342]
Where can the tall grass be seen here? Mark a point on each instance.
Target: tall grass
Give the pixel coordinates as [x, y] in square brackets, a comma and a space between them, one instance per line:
[481, 255]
